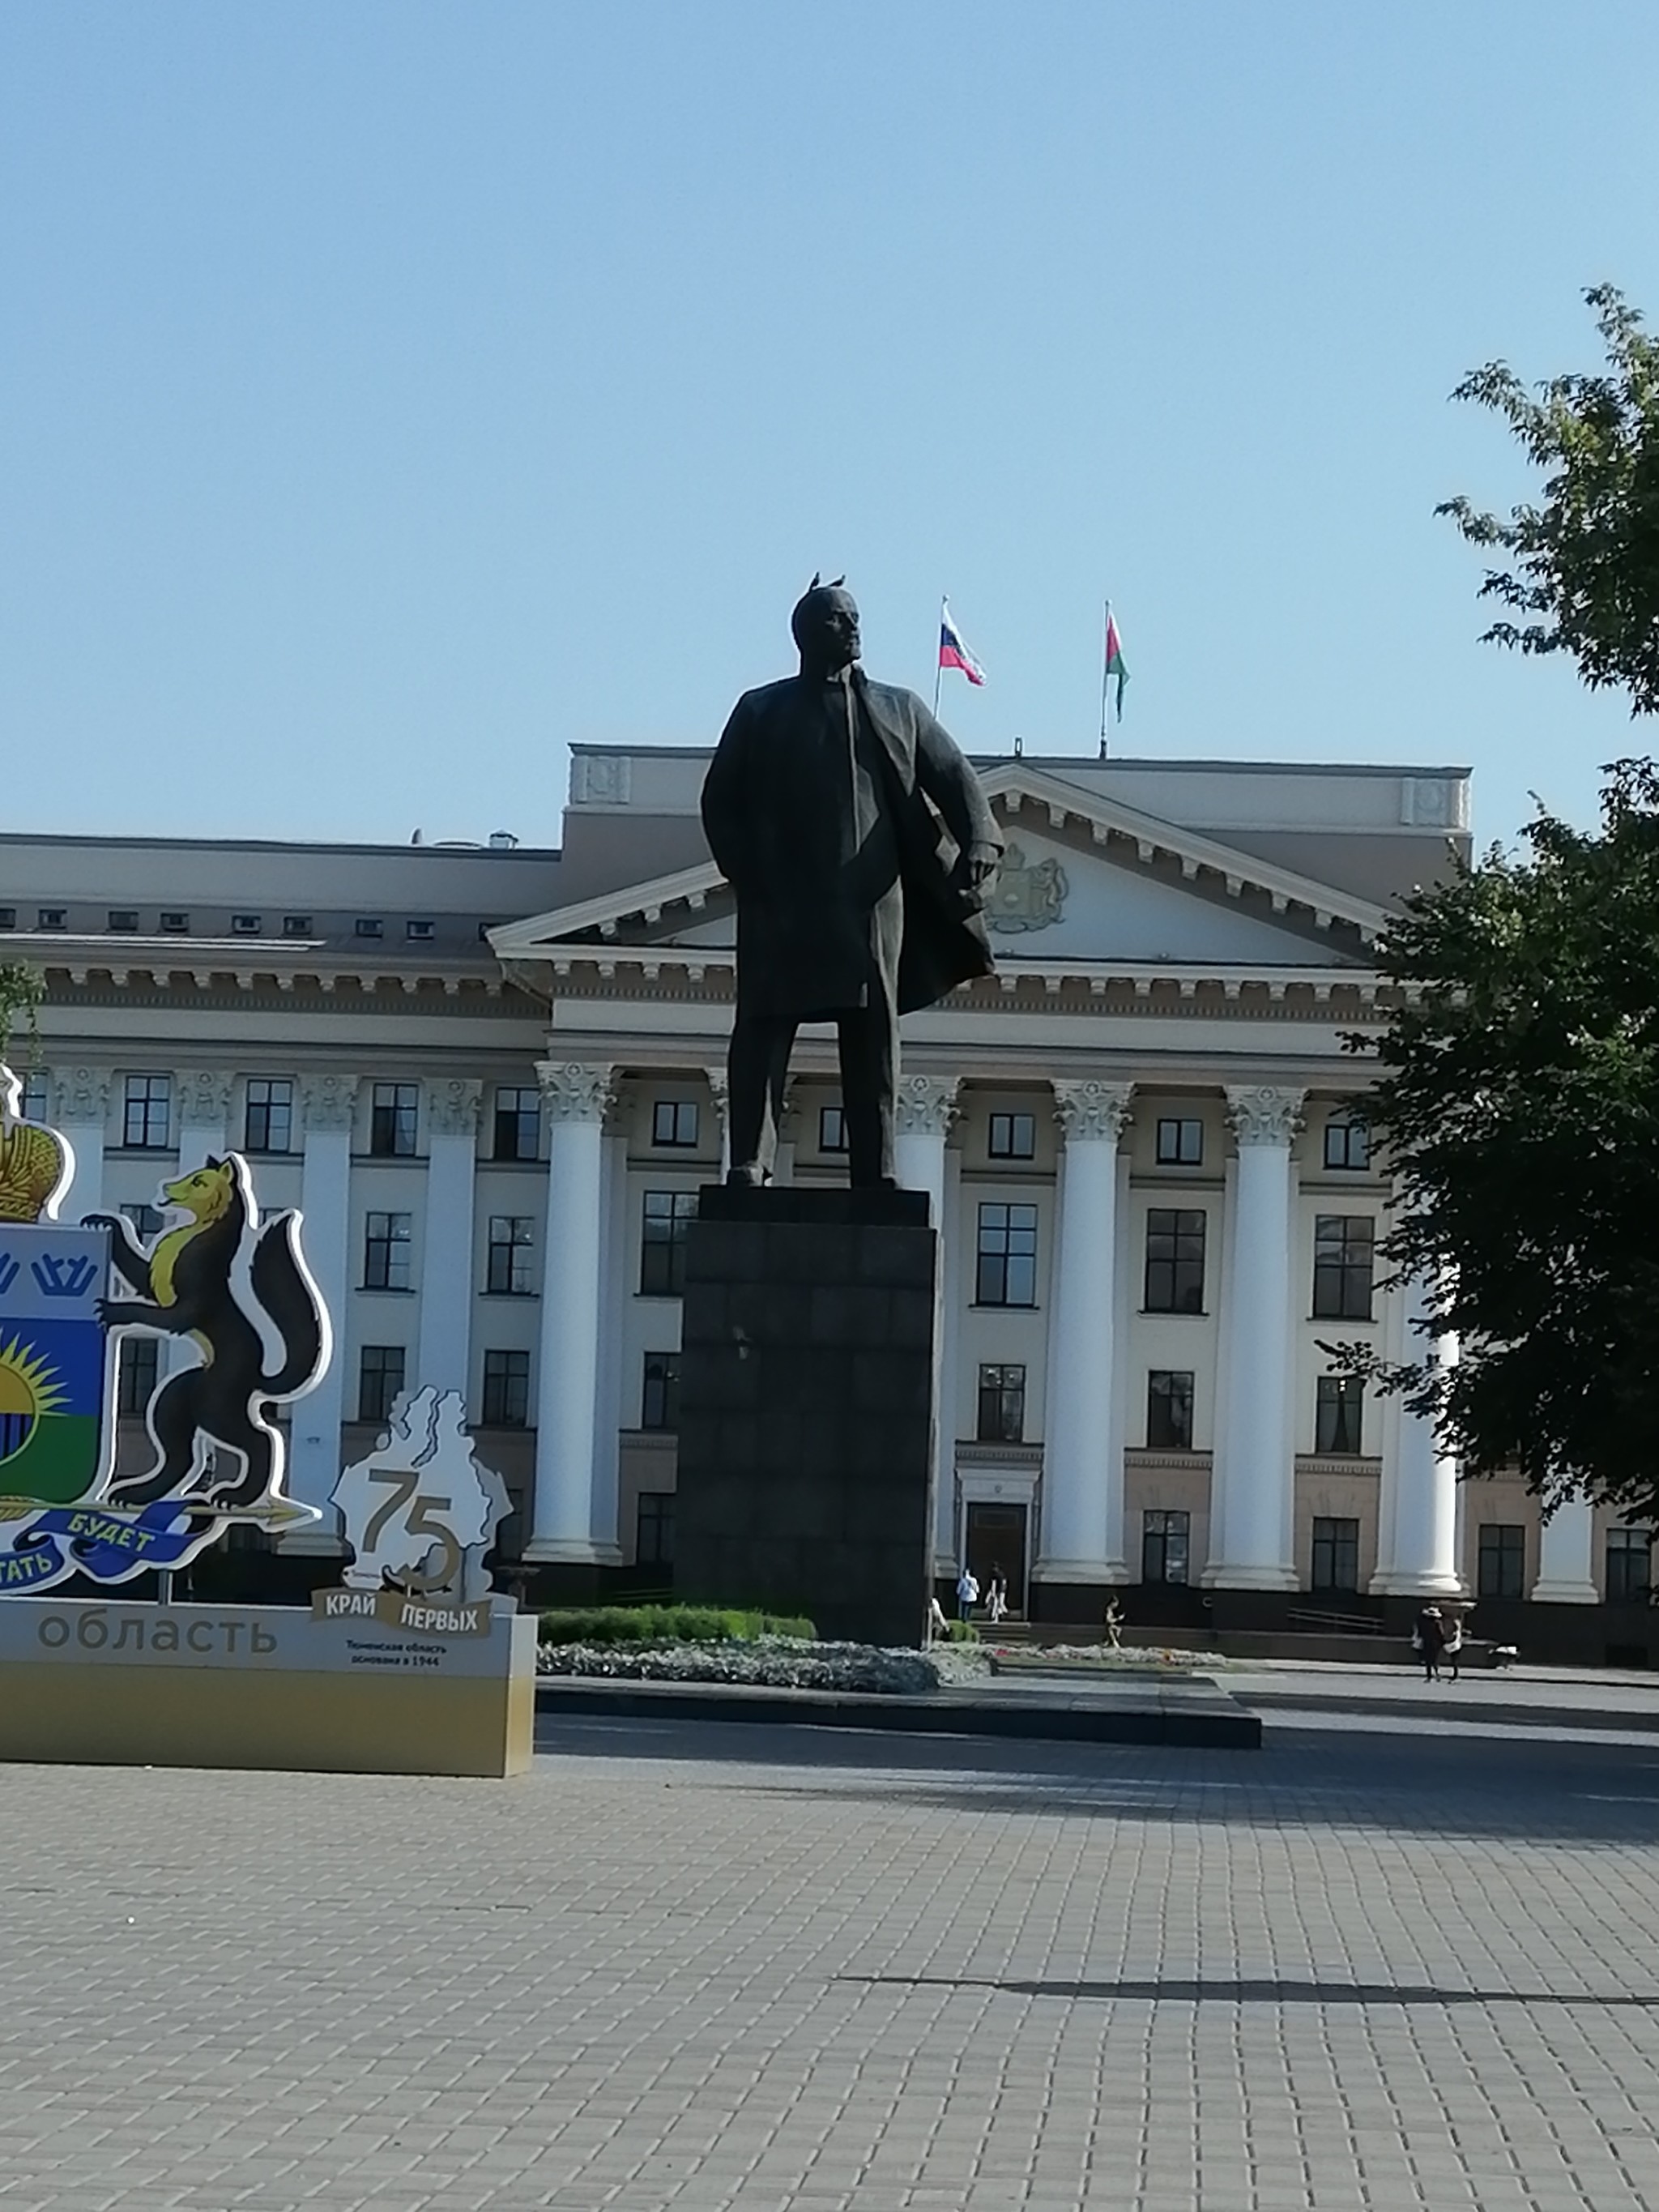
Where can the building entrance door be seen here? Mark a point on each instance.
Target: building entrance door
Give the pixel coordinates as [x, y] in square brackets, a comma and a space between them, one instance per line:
[996, 1543]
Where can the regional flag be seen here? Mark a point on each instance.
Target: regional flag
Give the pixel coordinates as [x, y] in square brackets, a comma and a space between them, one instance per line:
[952, 652]
[1116, 664]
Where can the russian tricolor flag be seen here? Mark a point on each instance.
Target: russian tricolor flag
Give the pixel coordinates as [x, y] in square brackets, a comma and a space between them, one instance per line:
[952, 652]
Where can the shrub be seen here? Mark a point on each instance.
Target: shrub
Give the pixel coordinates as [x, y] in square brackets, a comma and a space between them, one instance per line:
[962, 1631]
[666, 1624]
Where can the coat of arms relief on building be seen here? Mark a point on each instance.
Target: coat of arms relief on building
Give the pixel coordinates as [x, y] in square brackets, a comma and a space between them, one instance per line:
[1025, 895]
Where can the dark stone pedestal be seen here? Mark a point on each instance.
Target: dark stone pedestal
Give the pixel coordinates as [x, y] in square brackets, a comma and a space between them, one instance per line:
[806, 1409]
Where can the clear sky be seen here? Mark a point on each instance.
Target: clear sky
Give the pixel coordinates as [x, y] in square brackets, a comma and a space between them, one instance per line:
[393, 392]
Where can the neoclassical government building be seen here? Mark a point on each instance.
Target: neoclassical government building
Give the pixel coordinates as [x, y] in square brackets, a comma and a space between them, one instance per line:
[492, 1078]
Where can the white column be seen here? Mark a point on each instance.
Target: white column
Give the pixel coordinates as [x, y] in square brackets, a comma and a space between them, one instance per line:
[447, 1256]
[204, 1098]
[79, 1112]
[328, 1103]
[1082, 1535]
[922, 1114]
[562, 1512]
[1417, 1530]
[1252, 1489]
[604, 1527]
[1566, 1571]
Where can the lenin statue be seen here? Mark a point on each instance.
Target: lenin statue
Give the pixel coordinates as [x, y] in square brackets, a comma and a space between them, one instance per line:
[857, 840]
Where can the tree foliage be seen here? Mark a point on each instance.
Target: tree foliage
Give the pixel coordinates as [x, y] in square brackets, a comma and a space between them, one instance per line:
[1584, 564]
[1519, 1097]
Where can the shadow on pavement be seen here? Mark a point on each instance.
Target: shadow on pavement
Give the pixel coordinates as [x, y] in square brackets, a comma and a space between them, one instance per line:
[1446, 1788]
[1255, 1992]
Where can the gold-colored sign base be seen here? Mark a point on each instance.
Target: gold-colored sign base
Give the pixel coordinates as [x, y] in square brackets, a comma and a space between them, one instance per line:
[265, 1687]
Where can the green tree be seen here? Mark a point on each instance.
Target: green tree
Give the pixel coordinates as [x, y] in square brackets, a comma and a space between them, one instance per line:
[1583, 572]
[1518, 1092]
[1518, 1097]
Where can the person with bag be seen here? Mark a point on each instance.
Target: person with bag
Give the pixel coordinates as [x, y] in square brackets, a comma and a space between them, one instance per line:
[1429, 1641]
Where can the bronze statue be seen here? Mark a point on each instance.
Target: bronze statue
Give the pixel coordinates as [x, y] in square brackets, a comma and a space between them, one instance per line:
[857, 840]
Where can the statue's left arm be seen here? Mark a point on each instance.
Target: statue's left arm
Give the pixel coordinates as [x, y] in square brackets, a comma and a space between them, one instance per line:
[944, 774]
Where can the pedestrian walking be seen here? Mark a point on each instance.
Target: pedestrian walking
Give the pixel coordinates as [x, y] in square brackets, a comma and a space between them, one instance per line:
[967, 1594]
[996, 1596]
[1452, 1652]
[1429, 1641]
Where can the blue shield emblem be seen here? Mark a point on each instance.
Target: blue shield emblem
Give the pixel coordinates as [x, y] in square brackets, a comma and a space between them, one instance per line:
[55, 1430]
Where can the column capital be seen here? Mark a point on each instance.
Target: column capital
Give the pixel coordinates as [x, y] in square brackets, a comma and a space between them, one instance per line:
[82, 1095]
[204, 1098]
[719, 1091]
[330, 1101]
[453, 1107]
[1263, 1116]
[926, 1105]
[1092, 1110]
[573, 1091]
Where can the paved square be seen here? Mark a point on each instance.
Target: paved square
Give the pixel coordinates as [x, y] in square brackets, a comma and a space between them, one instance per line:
[705, 1965]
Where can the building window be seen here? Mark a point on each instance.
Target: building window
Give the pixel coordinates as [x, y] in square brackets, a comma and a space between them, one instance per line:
[1347, 1144]
[659, 1397]
[674, 1123]
[147, 1124]
[1174, 1259]
[380, 1380]
[418, 932]
[385, 1252]
[146, 1221]
[296, 925]
[668, 1215]
[1001, 1404]
[1339, 1415]
[124, 917]
[270, 1120]
[1342, 1266]
[506, 1389]
[1629, 1560]
[1500, 1568]
[174, 923]
[832, 1129]
[1169, 1409]
[1179, 1144]
[1013, 1137]
[1165, 1540]
[653, 1529]
[369, 925]
[512, 1270]
[32, 1104]
[518, 1122]
[8, 917]
[394, 1120]
[135, 1373]
[1006, 1275]
[1335, 1555]
[246, 925]
[50, 917]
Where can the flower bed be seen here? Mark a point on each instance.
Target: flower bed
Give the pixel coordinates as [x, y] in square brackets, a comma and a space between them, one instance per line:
[768, 1663]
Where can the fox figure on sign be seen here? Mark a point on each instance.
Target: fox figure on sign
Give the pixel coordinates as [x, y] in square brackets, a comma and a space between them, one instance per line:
[220, 1282]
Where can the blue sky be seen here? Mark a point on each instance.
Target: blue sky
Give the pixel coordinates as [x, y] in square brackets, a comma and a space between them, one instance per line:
[390, 393]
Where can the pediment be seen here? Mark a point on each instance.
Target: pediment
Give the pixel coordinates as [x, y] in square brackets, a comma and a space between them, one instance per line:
[1086, 880]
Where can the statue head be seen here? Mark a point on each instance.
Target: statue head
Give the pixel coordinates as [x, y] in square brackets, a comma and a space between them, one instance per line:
[826, 627]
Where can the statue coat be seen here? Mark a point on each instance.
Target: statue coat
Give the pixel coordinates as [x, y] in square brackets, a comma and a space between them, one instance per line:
[900, 912]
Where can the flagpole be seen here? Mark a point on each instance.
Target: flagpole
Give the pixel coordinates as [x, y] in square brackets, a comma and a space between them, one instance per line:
[938, 671]
[1105, 671]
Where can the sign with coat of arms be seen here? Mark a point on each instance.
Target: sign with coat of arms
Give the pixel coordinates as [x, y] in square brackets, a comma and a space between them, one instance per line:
[213, 1280]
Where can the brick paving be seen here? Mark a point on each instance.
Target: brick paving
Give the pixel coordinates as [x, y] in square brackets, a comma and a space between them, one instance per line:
[703, 1967]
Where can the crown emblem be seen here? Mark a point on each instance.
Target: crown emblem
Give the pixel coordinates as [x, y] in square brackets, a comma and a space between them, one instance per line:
[33, 1160]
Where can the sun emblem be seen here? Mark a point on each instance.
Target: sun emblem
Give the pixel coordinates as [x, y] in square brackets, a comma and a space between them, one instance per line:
[28, 1387]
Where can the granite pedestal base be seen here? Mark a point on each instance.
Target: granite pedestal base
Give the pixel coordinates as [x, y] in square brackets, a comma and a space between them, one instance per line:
[806, 1409]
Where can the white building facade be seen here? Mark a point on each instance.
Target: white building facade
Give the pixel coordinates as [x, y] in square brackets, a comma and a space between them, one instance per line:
[493, 1080]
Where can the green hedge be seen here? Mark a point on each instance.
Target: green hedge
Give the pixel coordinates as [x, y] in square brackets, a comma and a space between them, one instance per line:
[665, 1624]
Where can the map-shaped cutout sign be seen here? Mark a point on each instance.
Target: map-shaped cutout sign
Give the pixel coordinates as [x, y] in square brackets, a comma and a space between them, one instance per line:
[419, 1513]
